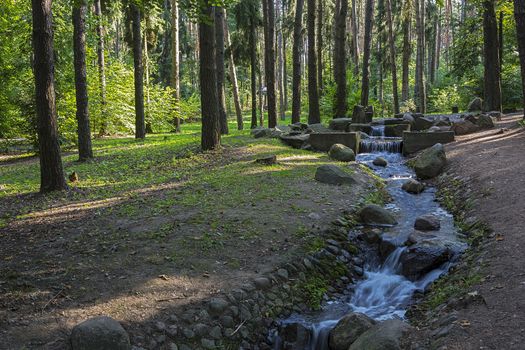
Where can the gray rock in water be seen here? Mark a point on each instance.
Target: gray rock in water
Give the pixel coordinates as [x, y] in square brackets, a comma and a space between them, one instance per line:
[380, 161]
[475, 105]
[333, 175]
[485, 121]
[295, 336]
[341, 153]
[427, 222]
[348, 329]
[430, 162]
[423, 257]
[99, 333]
[373, 214]
[383, 336]
[413, 186]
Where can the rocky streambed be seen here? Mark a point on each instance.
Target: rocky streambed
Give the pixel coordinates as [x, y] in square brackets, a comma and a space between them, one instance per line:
[406, 246]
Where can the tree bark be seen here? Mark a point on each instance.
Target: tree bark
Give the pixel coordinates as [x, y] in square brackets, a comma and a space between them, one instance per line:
[85, 151]
[365, 83]
[280, 55]
[392, 45]
[269, 62]
[211, 137]
[320, 15]
[101, 68]
[219, 53]
[313, 91]
[296, 64]
[355, 38]
[500, 33]
[407, 51]
[175, 60]
[253, 64]
[233, 77]
[140, 127]
[492, 79]
[285, 63]
[51, 171]
[341, 105]
[519, 15]
[420, 87]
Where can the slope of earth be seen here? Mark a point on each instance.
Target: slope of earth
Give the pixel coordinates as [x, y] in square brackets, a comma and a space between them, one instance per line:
[152, 226]
[491, 313]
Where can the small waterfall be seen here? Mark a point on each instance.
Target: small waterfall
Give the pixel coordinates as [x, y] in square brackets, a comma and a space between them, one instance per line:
[382, 144]
[378, 131]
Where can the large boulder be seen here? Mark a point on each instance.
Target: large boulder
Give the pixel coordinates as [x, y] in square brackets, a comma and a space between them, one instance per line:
[386, 335]
[422, 123]
[423, 257]
[396, 130]
[373, 214]
[318, 127]
[430, 162]
[348, 329]
[296, 141]
[413, 186]
[464, 127]
[99, 333]
[359, 115]
[485, 121]
[339, 124]
[427, 222]
[341, 153]
[333, 175]
[475, 105]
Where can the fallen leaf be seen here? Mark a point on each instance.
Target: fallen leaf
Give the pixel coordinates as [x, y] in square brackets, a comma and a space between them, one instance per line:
[499, 237]
[464, 323]
[163, 277]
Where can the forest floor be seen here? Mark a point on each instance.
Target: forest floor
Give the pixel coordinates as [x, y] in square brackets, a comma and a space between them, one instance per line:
[493, 163]
[152, 225]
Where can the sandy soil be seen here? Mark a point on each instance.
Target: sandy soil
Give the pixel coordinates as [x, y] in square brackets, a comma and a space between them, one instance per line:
[494, 161]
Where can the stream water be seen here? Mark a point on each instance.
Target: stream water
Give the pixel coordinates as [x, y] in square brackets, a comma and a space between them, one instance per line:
[383, 293]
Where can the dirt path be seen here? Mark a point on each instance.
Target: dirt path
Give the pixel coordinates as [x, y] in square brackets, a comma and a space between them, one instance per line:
[494, 161]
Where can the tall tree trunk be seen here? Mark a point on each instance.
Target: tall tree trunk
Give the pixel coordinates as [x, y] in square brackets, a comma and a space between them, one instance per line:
[320, 15]
[519, 15]
[175, 60]
[285, 63]
[341, 105]
[140, 127]
[420, 88]
[146, 78]
[211, 136]
[355, 38]
[432, 50]
[101, 68]
[253, 64]
[51, 171]
[313, 91]
[269, 62]
[219, 52]
[391, 42]
[492, 82]
[407, 50]
[438, 48]
[233, 77]
[500, 40]
[365, 83]
[280, 56]
[296, 64]
[79, 49]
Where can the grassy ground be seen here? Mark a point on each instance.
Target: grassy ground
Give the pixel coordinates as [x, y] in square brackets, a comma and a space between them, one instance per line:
[155, 221]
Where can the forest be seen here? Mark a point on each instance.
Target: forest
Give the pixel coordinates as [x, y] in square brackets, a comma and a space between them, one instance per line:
[275, 174]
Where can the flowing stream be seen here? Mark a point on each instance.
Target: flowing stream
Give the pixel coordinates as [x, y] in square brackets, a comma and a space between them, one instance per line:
[383, 293]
